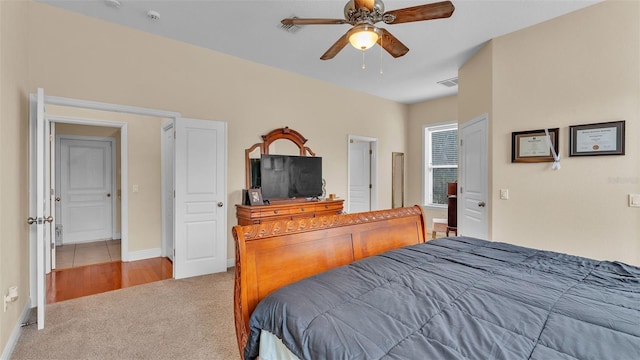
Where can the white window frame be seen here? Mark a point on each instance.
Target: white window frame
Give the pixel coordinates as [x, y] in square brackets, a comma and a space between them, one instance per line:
[427, 167]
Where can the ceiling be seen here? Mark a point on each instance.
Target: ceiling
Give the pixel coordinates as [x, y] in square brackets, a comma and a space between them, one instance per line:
[251, 30]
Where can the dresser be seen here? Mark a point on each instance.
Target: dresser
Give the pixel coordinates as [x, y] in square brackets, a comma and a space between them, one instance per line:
[248, 215]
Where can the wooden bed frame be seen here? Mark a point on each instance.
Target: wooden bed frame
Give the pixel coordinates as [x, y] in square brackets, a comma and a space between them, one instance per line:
[274, 254]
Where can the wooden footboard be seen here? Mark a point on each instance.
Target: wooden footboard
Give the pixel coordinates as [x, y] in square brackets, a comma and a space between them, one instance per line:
[274, 254]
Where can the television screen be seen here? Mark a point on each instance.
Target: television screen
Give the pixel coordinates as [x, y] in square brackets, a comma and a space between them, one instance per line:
[285, 177]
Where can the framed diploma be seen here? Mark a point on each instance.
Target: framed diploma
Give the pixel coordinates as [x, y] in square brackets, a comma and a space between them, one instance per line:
[597, 139]
[533, 146]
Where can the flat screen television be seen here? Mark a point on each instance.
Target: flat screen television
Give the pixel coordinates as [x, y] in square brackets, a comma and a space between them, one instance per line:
[287, 177]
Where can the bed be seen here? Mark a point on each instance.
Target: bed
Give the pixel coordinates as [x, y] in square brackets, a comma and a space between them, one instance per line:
[373, 288]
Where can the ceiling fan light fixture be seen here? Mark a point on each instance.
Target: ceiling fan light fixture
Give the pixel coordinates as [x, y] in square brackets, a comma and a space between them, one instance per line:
[363, 36]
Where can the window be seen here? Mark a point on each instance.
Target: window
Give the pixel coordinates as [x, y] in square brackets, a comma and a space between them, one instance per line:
[441, 162]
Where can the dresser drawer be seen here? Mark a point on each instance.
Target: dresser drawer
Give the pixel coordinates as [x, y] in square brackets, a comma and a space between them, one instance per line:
[273, 212]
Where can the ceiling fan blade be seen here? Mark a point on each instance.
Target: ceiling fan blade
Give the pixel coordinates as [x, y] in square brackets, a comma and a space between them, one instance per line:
[296, 21]
[392, 44]
[335, 48]
[437, 10]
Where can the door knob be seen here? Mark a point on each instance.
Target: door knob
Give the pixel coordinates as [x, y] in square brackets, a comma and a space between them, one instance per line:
[220, 204]
[57, 198]
[49, 219]
[31, 220]
[481, 204]
[108, 195]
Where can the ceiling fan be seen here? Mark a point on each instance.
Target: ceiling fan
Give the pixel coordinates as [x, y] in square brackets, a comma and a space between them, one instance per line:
[363, 14]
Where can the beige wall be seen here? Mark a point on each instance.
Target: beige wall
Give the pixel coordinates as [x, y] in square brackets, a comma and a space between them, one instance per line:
[135, 68]
[577, 69]
[14, 130]
[580, 68]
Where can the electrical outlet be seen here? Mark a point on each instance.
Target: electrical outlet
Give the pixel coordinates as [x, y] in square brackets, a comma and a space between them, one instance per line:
[504, 194]
[634, 200]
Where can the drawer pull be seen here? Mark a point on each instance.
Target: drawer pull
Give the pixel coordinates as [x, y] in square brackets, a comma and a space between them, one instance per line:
[326, 206]
[275, 212]
[302, 209]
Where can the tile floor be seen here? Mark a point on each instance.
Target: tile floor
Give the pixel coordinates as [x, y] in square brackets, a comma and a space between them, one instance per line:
[82, 254]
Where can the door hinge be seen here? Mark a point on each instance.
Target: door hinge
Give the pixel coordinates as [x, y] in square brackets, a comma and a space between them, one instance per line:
[174, 194]
[370, 186]
[370, 152]
[53, 246]
[460, 142]
[50, 138]
[51, 192]
[461, 189]
[174, 134]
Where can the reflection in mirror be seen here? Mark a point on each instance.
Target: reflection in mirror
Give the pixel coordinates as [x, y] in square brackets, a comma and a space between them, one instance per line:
[254, 167]
[284, 147]
[397, 179]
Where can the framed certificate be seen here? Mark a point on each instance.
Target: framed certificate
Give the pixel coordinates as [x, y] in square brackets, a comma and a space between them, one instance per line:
[597, 139]
[532, 146]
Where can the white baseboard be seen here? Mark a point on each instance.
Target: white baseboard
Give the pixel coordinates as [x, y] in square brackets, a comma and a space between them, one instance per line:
[144, 254]
[231, 263]
[17, 330]
[117, 236]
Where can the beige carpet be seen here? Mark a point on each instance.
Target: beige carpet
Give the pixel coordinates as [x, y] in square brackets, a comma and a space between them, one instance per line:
[170, 319]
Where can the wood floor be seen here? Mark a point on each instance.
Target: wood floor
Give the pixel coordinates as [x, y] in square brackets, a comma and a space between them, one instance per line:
[81, 281]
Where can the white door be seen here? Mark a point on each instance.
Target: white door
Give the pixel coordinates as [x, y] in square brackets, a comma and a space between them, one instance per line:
[40, 219]
[200, 186]
[51, 259]
[86, 189]
[359, 176]
[473, 201]
[168, 134]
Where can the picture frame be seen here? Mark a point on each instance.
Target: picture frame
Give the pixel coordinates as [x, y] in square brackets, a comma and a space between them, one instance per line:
[532, 147]
[255, 197]
[606, 138]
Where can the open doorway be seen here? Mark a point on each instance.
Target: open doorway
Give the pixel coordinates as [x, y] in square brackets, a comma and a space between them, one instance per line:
[136, 161]
[87, 195]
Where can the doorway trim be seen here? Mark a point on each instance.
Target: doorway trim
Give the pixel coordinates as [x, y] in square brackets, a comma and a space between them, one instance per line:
[374, 168]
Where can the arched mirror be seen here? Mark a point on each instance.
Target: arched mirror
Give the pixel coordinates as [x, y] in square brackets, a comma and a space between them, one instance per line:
[273, 144]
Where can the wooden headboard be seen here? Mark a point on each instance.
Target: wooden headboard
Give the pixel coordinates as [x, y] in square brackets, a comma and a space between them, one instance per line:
[274, 254]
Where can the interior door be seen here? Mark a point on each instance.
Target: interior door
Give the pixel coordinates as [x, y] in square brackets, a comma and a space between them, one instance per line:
[86, 190]
[51, 259]
[39, 219]
[473, 203]
[200, 186]
[168, 134]
[359, 176]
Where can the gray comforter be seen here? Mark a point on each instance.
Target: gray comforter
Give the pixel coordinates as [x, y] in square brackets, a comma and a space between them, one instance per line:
[459, 298]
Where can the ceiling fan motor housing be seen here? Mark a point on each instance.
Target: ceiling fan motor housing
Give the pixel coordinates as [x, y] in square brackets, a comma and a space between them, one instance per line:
[364, 15]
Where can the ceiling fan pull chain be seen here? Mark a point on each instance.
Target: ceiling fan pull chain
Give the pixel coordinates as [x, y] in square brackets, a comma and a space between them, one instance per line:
[363, 65]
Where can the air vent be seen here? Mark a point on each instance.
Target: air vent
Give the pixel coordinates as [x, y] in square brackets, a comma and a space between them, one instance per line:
[449, 82]
[290, 28]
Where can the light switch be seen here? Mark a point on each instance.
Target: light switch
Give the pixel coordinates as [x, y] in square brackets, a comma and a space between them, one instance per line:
[504, 194]
[634, 200]
[136, 188]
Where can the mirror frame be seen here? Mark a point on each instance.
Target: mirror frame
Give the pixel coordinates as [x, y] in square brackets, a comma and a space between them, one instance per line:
[284, 133]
